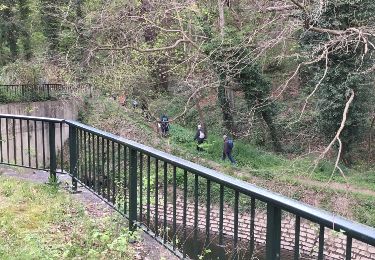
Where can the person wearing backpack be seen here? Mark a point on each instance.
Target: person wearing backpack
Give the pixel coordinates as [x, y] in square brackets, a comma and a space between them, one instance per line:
[227, 149]
[200, 136]
[164, 125]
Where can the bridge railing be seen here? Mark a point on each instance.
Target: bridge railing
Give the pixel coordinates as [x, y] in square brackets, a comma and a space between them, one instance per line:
[195, 211]
[32, 92]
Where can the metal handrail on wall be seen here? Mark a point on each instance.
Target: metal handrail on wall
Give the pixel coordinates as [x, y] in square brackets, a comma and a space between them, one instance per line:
[185, 206]
[32, 92]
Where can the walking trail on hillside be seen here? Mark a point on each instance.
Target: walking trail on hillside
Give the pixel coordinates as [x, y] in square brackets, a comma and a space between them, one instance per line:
[131, 131]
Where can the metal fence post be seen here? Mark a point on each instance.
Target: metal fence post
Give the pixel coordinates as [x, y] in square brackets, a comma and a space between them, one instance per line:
[132, 189]
[73, 156]
[273, 232]
[48, 93]
[52, 151]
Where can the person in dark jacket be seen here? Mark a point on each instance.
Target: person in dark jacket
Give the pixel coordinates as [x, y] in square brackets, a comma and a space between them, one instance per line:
[227, 149]
[200, 136]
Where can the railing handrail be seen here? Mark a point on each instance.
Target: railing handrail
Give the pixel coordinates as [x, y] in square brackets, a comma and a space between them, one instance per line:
[353, 229]
[36, 118]
[78, 139]
[31, 84]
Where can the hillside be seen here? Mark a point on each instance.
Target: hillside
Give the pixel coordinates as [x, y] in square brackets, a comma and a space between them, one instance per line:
[352, 197]
[291, 83]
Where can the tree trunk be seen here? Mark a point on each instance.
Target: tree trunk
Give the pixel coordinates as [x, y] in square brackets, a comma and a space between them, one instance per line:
[11, 33]
[225, 108]
[160, 68]
[201, 116]
[267, 117]
[51, 24]
[26, 41]
[370, 139]
[220, 5]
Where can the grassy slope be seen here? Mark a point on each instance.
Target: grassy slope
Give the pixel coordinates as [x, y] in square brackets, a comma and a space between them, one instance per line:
[293, 178]
[42, 222]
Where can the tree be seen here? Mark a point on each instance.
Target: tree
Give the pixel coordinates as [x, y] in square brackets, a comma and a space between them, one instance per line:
[49, 10]
[346, 56]
[9, 28]
[24, 12]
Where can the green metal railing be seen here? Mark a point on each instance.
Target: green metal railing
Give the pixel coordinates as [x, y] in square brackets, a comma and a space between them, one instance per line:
[186, 207]
[32, 92]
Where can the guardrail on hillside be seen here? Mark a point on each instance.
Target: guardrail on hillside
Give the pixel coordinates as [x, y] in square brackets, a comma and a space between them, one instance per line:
[32, 92]
[187, 207]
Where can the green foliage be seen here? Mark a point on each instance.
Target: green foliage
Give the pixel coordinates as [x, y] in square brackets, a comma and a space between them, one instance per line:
[342, 75]
[31, 230]
[364, 210]
[49, 10]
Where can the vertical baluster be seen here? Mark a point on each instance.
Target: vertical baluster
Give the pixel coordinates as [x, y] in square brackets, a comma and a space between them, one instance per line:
[252, 227]
[28, 141]
[125, 182]
[84, 157]
[174, 207]
[165, 196]
[156, 197]
[221, 218]
[273, 232]
[43, 147]
[81, 149]
[1, 141]
[90, 154]
[108, 181]
[118, 170]
[208, 212]
[61, 148]
[196, 197]
[140, 187]
[185, 212]
[321, 243]
[102, 180]
[93, 182]
[348, 248]
[7, 140]
[132, 189]
[98, 166]
[14, 141]
[22, 150]
[73, 155]
[296, 237]
[113, 174]
[235, 225]
[36, 145]
[148, 190]
[52, 150]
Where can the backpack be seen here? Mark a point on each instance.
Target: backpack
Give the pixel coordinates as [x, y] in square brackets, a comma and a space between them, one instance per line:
[230, 144]
[164, 119]
[201, 134]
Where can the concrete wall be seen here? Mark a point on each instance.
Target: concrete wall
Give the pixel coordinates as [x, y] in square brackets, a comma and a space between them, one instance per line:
[32, 150]
[64, 109]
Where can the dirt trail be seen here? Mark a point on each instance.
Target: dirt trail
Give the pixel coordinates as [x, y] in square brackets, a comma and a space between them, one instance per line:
[336, 186]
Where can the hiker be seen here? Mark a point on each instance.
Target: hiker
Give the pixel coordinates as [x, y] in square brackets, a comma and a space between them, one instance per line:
[164, 125]
[122, 100]
[134, 103]
[227, 149]
[199, 137]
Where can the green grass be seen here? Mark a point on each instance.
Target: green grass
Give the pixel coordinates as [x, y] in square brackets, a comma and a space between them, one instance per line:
[268, 165]
[43, 222]
[271, 171]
